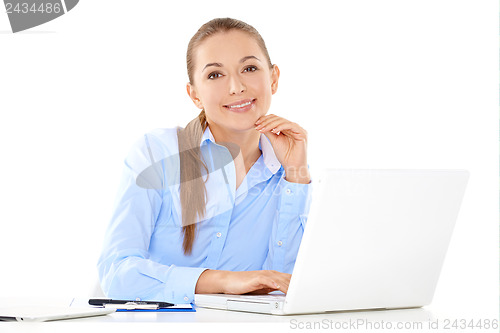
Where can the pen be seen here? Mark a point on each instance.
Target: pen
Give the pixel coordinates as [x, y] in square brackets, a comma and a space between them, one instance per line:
[102, 302]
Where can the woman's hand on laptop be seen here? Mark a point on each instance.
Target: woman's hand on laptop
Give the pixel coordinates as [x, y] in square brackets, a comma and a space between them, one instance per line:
[245, 282]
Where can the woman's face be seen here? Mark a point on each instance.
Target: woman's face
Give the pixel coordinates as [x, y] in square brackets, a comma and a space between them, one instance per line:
[232, 80]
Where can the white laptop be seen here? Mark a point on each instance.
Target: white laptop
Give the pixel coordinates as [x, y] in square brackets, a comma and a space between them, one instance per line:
[374, 239]
[48, 313]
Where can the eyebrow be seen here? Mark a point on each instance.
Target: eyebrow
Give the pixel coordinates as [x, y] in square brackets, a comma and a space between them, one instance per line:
[218, 64]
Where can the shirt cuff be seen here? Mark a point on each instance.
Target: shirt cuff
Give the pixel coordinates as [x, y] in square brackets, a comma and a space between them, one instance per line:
[182, 284]
[295, 197]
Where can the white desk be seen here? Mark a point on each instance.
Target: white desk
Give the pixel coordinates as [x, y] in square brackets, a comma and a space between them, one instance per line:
[205, 315]
[229, 320]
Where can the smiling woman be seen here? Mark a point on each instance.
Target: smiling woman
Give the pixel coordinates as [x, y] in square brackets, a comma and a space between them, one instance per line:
[188, 218]
[238, 81]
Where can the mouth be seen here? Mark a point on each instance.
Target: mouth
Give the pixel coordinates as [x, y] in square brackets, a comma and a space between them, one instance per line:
[241, 106]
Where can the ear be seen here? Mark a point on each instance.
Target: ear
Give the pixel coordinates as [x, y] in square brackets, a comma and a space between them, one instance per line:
[191, 90]
[275, 75]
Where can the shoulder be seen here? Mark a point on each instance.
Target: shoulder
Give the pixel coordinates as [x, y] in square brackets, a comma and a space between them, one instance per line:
[162, 138]
[159, 139]
[153, 146]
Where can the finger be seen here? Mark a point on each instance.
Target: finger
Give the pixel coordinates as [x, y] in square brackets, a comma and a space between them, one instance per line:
[266, 122]
[269, 125]
[282, 280]
[286, 278]
[289, 128]
[277, 125]
[283, 289]
[296, 136]
[266, 117]
[295, 132]
[272, 137]
[268, 282]
[283, 286]
[261, 291]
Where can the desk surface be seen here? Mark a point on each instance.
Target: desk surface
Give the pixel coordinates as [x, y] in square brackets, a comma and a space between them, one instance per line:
[204, 315]
[420, 320]
[213, 315]
[252, 321]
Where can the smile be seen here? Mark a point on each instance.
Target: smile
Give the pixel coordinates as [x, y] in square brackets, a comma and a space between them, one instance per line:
[241, 106]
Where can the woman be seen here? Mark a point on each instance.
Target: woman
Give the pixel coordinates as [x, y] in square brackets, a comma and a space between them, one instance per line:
[219, 206]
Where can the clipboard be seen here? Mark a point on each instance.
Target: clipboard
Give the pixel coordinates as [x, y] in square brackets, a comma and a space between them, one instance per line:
[131, 307]
[141, 306]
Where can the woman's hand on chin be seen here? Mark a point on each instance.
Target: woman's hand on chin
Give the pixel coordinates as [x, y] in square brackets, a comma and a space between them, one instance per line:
[289, 142]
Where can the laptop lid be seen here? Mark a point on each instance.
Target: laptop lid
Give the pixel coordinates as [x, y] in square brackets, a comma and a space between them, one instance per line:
[375, 239]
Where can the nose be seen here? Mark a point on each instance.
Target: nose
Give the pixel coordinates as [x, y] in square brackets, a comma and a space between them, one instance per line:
[236, 86]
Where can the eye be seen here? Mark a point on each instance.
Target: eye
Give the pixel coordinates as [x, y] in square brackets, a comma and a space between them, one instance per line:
[214, 75]
[250, 69]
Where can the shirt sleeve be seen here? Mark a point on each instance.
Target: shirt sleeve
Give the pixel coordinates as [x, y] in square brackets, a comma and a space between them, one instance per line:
[288, 226]
[124, 267]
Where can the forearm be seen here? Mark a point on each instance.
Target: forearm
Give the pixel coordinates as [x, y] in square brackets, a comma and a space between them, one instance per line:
[211, 281]
[298, 175]
[304, 179]
[132, 277]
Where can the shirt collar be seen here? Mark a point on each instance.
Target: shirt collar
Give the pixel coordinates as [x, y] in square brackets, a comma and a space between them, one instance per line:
[265, 146]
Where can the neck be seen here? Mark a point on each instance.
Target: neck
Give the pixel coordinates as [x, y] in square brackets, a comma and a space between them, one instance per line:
[247, 140]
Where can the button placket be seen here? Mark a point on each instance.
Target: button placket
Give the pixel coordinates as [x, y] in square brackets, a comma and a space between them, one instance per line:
[221, 226]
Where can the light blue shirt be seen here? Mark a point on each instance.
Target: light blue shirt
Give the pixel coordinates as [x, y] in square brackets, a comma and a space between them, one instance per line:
[257, 226]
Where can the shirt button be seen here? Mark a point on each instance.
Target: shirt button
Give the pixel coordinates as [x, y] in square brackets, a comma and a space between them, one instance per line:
[186, 298]
[219, 234]
[288, 191]
[280, 243]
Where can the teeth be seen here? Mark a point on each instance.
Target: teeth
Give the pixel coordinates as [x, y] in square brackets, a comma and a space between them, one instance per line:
[240, 105]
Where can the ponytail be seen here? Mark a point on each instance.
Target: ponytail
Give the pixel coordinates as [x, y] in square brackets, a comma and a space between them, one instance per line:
[193, 192]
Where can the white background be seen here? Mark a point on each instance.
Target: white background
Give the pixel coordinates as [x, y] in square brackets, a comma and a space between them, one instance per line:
[377, 84]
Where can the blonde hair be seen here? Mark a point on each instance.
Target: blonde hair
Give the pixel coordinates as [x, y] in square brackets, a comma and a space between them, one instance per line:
[193, 192]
